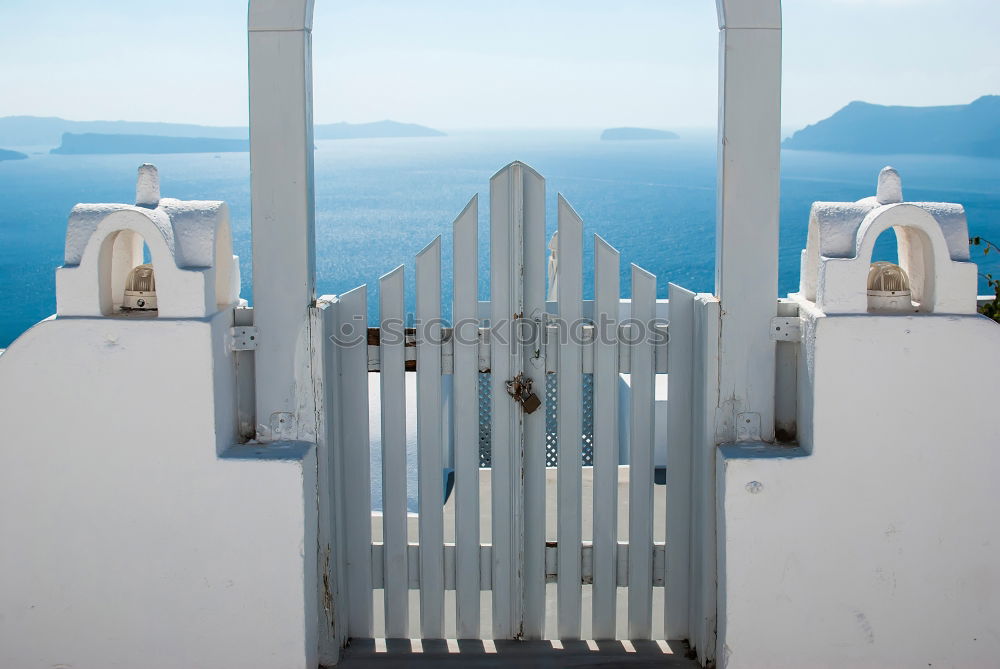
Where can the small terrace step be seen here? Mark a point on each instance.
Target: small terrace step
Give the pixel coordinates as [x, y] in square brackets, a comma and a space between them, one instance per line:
[440, 654]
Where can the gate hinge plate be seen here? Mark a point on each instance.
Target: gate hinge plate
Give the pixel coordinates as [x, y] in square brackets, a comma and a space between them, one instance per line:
[243, 338]
[786, 328]
[747, 427]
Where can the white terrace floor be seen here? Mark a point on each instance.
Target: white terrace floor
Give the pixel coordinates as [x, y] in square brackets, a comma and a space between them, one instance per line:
[659, 520]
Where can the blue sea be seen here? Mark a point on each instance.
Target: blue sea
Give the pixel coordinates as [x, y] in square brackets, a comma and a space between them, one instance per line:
[378, 202]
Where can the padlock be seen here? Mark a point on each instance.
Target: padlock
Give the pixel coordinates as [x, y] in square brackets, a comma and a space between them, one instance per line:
[529, 400]
[519, 388]
[530, 403]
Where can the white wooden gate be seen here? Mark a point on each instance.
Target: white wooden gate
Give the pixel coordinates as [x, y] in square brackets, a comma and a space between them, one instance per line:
[516, 334]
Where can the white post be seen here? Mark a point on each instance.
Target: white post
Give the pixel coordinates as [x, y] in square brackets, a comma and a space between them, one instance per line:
[747, 224]
[282, 209]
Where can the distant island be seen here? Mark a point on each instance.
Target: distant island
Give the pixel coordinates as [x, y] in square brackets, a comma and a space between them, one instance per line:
[94, 143]
[860, 127]
[12, 155]
[39, 131]
[620, 134]
[375, 130]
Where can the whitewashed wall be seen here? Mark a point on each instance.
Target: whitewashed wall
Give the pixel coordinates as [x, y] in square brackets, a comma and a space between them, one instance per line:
[881, 547]
[125, 541]
[133, 533]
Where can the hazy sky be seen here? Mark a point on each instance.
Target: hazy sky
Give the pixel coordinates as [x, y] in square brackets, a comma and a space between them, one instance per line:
[475, 64]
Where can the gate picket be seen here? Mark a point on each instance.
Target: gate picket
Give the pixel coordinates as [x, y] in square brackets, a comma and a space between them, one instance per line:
[506, 198]
[357, 499]
[606, 305]
[430, 442]
[680, 426]
[570, 420]
[393, 390]
[641, 431]
[465, 417]
[533, 439]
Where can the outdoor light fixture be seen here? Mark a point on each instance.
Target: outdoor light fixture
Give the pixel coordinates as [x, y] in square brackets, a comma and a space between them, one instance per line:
[140, 289]
[888, 289]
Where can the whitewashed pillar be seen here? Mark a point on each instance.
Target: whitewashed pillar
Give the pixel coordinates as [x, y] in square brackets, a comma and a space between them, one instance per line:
[282, 210]
[748, 208]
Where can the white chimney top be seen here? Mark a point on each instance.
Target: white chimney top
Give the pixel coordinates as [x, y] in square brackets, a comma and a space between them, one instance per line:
[147, 186]
[890, 186]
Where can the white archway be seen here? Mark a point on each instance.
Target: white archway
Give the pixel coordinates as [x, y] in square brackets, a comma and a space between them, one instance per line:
[283, 209]
[747, 224]
[298, 14]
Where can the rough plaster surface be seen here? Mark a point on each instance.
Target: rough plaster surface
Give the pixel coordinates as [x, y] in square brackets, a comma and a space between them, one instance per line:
[882, 547]
[83, 220]
[188, 228]
[124, 540]
[195, 226]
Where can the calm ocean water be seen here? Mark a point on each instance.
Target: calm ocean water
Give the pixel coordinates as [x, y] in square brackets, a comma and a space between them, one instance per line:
[378, 202]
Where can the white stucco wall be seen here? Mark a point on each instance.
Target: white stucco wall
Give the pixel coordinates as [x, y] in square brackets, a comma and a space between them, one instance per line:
[125, 540]
[881, 547]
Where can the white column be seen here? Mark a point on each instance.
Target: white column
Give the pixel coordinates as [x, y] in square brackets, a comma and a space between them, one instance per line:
[282, 210]
[748, 207]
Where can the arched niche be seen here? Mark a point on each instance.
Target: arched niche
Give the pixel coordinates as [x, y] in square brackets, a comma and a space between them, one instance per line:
[890, 289]
[920, 246]
[120, 252]
[95, 285]
[189, 245]
[938, 282]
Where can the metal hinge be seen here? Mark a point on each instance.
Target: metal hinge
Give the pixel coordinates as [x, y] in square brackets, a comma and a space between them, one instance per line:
[243, 338]
[786, 328]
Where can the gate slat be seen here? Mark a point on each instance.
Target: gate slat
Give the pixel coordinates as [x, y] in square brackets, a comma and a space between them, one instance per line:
[505, 218]
[570, 420]
[606, 305]
[641, 431]
[352, 326]
[534, 276]
[430, 441]
[465, 417]
[679, 449]
[393, 394]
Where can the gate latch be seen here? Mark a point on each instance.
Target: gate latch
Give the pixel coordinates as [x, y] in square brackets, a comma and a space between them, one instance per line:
[520, 389]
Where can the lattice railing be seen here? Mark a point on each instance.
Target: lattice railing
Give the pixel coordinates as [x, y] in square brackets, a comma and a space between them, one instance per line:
[551, 422]
[485, 395]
